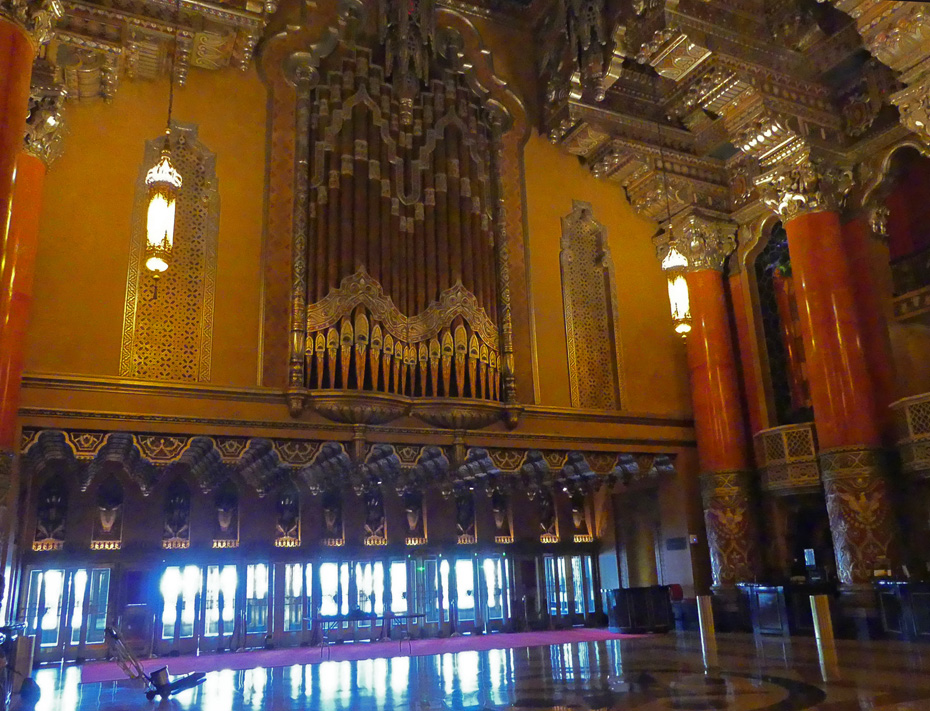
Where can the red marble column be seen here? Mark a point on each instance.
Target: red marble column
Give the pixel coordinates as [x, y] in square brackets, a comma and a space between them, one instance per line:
[698, 243]
[20, 257]
[843, 392]
[17, 52]
[752, 386]
[857, 236]
[723, 450]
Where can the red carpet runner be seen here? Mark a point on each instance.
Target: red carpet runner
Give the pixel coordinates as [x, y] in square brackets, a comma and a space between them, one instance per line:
[109, 671]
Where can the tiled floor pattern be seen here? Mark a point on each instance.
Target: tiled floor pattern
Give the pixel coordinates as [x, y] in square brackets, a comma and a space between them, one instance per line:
[653, 674]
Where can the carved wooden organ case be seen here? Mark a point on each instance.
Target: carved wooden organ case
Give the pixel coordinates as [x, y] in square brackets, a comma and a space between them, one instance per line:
[400, 295]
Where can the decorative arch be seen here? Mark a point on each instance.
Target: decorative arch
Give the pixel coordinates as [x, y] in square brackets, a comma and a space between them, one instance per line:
[589, 297]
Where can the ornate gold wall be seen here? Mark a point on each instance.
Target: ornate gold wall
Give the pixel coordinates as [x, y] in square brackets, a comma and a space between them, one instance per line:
[74, 340]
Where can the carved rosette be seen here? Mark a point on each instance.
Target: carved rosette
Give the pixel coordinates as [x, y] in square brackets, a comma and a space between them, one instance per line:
[36, 16]
[44, 137]
[704, 239]
[804, 185]
[730, 526]
[860, 511]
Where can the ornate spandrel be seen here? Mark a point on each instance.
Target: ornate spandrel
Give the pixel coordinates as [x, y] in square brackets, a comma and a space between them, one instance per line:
[38, 17]
[589, 299]
[703, 239]
[803, 186]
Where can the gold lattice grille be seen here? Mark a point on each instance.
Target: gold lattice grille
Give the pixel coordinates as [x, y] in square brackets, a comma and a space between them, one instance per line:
[589, 297]
[919, 416]
[168, 333]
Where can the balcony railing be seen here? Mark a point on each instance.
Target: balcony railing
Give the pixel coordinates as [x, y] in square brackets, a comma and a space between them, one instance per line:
[912, 420]
[787, 459]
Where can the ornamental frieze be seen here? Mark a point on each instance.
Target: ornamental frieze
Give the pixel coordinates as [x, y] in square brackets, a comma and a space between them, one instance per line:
[265, 465]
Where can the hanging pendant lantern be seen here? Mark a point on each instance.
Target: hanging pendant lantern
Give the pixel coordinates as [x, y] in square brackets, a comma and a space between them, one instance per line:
[164, 184]
[674, 265]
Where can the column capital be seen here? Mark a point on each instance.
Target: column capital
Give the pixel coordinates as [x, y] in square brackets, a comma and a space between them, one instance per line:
[804, 184]
[37, 17]
[44, 124]
[695, 240]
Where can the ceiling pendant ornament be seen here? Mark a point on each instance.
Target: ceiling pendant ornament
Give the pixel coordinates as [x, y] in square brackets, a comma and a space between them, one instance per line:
[586, 27]
[407, 29]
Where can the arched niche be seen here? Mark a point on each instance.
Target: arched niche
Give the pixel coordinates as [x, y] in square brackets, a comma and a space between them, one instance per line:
[287, 516]
[108, 515]
[226, 515]
[51, 514]
[177, 515]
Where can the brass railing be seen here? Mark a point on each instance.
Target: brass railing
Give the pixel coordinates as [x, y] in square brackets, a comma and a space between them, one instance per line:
[787, 458]
[912, 420]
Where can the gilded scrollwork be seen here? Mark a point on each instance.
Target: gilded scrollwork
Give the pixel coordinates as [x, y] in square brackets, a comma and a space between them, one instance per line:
[44, 137]
[360, 289]
[804, 185]
[38, 17]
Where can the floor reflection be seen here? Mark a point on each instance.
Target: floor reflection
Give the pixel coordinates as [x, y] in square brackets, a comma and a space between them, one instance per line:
[646, 674]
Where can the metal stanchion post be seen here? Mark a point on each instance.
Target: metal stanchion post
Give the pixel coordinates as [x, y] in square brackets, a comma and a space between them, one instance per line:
[708, 634]
[826, 645]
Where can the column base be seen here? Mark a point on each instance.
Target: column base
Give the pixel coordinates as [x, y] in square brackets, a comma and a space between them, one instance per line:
[731, 527]
[859, 505]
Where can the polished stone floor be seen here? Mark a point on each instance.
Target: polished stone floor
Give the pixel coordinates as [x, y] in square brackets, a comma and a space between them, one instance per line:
[649, 674]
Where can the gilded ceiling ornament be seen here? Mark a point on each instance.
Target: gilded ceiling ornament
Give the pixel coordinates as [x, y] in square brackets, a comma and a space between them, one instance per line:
[803, 186]
[703, 240]
[408, 32]
[37, 16]
[44, 123]
[914, 106]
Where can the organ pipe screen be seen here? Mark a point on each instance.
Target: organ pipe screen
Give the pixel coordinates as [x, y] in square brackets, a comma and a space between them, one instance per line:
[398, 192]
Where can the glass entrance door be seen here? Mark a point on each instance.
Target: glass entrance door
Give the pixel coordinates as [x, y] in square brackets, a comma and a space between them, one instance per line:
[177, 624]
[466, 602]
[220, 607]
[556, 588]
[67, 610]
[495, 591]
